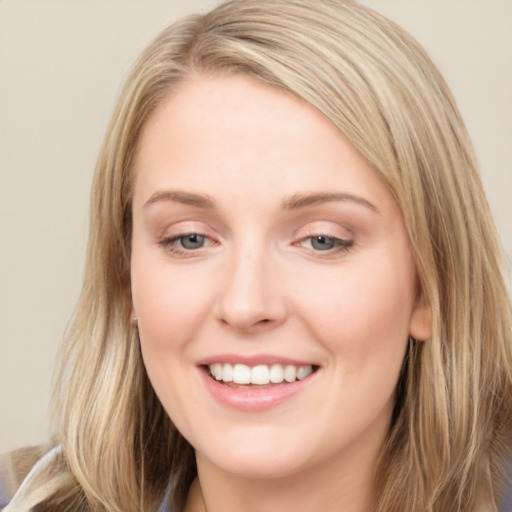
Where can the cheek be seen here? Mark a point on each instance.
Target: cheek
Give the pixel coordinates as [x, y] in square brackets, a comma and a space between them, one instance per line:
[362, 311]
[169, 306]
[168, 302]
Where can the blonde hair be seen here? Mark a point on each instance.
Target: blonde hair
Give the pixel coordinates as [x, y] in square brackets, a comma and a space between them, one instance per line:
[452, 426]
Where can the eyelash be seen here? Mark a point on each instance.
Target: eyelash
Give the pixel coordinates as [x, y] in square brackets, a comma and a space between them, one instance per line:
[340, 245]
[169, 244]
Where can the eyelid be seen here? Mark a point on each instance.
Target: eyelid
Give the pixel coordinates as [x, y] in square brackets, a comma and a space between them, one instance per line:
[170, 245]
[183, 227]
[327, 229]
[169, 237]
[341, 244]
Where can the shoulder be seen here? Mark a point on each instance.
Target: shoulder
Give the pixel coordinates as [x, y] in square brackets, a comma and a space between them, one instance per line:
[18, 471]
[506, 503]
[26, 480]
[5, 488]
[14, 467]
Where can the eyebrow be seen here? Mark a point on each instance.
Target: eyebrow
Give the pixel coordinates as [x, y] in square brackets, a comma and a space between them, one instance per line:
[298, 201]
[178, 196]
[295, 202]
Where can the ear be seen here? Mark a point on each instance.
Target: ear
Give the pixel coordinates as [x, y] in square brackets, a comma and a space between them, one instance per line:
[133, 316]
[420, 327]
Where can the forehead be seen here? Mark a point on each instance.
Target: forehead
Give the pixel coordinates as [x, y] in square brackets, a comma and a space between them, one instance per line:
[232, 110]
[233, 134]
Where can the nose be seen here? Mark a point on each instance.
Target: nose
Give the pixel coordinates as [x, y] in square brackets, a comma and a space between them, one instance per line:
[252, 297]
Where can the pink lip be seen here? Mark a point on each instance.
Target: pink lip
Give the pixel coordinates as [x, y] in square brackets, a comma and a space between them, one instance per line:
[251, 360]
[253, 399]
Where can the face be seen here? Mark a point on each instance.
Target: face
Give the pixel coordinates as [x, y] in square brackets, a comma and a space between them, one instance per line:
[272, 280]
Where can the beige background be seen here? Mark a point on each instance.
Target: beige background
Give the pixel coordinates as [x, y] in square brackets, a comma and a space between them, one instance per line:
[62, 63]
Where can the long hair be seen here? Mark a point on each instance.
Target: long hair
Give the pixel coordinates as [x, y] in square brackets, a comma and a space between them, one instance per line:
[452, 424]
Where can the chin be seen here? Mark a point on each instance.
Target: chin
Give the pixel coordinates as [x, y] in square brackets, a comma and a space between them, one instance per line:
[260, 454]
[258, 465]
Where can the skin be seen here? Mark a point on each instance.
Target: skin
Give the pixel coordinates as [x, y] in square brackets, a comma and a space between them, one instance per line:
[260, 285]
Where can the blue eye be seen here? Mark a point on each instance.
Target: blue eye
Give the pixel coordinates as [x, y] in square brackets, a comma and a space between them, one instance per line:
[185, 245]
[323, 243]
[191, 241]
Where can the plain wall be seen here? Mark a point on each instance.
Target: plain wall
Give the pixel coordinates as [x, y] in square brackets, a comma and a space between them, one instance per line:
[62, 63]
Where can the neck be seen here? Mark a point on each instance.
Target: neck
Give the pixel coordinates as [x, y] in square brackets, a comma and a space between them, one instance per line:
[329, 488]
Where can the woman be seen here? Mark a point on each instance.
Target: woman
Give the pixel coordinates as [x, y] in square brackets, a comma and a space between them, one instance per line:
[293, 296]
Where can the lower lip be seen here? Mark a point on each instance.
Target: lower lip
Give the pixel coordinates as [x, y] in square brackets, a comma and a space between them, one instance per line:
[253, 399]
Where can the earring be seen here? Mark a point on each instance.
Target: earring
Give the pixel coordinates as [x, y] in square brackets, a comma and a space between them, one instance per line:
[133, 322]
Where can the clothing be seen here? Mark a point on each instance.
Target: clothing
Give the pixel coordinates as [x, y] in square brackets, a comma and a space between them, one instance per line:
[4, 491]
[23, 501]
[15, 503]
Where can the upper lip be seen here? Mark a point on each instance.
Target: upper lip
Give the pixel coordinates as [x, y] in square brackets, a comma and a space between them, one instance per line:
[254, 360]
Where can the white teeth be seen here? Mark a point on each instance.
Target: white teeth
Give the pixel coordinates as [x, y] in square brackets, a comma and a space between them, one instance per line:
[217, 371]
[276, 373]
[241, 374]
[260, 374]
[290, 373]
[227, 373]
[303, 372]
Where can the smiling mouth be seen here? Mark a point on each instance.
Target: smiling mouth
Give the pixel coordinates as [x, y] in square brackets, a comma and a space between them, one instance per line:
[241, 375]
